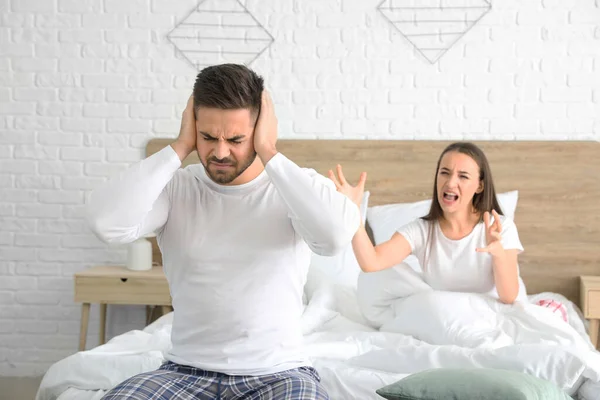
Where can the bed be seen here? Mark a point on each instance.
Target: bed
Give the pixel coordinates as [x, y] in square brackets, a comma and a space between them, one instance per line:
[554, 187]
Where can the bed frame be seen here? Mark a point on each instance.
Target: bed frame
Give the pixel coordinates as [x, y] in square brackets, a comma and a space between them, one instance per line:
[558, 213]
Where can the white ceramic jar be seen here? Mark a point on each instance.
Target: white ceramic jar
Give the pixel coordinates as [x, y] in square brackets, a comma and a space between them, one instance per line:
[139, 255]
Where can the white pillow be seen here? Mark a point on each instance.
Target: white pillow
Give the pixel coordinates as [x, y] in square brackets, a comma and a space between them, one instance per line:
[343, 268]
[386, 219]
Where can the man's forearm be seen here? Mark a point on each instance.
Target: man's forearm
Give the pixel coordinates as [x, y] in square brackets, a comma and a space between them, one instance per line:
[325, 218]
[123, 207]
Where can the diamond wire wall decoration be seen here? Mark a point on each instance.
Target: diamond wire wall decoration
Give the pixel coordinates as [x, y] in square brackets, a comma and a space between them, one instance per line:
[220, 31]
[433, 26]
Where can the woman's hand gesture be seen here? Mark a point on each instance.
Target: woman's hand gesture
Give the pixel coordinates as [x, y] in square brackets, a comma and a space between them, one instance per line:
[354, 193]
[492, 235]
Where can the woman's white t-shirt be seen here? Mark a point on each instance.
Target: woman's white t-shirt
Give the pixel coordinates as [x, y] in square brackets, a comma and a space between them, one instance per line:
[455, 265]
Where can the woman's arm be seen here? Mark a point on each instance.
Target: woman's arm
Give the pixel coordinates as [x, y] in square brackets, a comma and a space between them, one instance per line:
[504, 261]
[376, 258]
[506, 275]
[370, 258]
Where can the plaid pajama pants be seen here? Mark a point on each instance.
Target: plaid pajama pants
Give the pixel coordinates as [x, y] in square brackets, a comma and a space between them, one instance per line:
[179, 382]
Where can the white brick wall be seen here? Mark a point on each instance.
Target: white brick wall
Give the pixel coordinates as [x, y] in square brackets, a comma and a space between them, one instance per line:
[85, 83]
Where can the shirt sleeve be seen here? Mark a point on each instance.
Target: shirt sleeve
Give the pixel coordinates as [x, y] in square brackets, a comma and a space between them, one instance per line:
[510, 235]
[136, 202]
[415, 233]
[325, 218]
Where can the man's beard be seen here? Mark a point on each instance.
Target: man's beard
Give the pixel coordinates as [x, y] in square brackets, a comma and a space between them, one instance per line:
[226, 176]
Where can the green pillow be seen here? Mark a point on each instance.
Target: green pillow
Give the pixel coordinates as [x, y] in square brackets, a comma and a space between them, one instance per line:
[471, 384]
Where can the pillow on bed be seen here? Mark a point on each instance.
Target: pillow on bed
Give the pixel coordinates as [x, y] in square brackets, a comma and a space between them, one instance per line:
[343, 268]
[471, 384]
[386, 219]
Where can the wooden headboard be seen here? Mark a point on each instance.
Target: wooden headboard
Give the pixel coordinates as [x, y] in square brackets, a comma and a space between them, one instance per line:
[558, 213]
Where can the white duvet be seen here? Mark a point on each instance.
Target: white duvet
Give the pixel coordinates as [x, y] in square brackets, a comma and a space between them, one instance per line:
[359, 341]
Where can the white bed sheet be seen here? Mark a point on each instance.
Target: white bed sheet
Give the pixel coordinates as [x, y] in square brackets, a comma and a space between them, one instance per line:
[352, 357]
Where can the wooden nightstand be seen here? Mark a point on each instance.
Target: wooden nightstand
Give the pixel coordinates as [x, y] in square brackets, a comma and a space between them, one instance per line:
[590, 304]
[118, 285]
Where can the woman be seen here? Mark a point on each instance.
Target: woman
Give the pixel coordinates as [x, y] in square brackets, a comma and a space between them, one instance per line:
[464, 243]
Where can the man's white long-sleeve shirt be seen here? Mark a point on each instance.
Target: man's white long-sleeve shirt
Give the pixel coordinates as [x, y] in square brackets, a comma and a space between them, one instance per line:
[236, 257]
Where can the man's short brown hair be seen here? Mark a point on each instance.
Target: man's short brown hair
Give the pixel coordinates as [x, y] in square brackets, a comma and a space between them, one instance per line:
[228, 87]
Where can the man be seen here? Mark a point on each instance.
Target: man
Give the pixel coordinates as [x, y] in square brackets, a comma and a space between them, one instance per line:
[236, 234]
